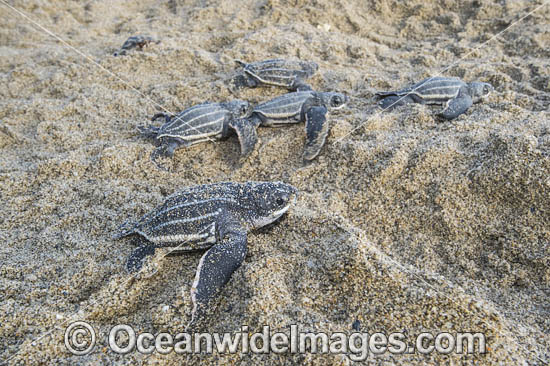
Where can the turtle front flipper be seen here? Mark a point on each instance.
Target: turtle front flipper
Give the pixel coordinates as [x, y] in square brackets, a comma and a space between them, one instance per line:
[215, 269]
[137, 258]
[246, 131]
[300, 85]
[166, 151]
[316, 131]
[455, 107]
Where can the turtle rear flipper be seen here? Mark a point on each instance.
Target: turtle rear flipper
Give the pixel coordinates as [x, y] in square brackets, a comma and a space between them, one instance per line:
[246, 131]
[138, 256]
[148, 131]
[166, 150]
[301, 86]
[457, 106]
[393, 101]
[153, 131]
[167, 117]
[127, 228]
[383, 94]
[316, 131]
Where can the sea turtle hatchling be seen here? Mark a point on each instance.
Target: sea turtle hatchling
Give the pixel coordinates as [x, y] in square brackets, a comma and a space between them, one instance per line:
[309, 106]
[456, 95]
[134, 42]
[215, 217]
[201, 123]
[289, 74]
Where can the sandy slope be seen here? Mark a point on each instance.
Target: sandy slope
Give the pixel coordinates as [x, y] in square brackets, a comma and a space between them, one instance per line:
[408, 224]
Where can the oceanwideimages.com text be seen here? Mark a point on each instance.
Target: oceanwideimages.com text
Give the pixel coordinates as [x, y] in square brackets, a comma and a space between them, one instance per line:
[123, 339]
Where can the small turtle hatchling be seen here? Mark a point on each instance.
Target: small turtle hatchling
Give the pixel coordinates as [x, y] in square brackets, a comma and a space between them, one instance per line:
[289, 74]
[309, 106]
[201, 123]
[134, 42]
[456, 95]
[216, 217]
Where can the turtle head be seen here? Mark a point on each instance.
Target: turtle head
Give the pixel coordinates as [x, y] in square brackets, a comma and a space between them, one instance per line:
[243, 81]
[334, 100]
[478, 90]
[270, 201]
[239, 108]
[309, 68]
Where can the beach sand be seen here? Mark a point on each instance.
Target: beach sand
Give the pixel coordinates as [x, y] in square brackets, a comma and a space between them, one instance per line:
[404, 222]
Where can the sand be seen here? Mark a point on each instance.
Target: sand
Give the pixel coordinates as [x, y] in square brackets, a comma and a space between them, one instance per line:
[404, 222]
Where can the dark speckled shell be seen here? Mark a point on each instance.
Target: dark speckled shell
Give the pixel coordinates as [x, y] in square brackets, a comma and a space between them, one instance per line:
[284, 107]
[191, 216]
[435, 90]
[200, 121]
[280, 72]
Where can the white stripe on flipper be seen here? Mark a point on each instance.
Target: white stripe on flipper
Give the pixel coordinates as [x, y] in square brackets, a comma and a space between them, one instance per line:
[194, 286]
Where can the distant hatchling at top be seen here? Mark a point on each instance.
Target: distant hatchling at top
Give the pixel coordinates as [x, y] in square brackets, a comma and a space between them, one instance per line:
[214, 217]
[134, 42]
[288, 74]
[456, 95]
[309, 106]
[201, 123]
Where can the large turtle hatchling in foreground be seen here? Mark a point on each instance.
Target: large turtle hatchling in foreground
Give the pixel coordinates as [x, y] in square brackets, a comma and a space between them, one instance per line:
[213, 217]
[201, 123]
[309, 106]
[456, 95]
[288, 74]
